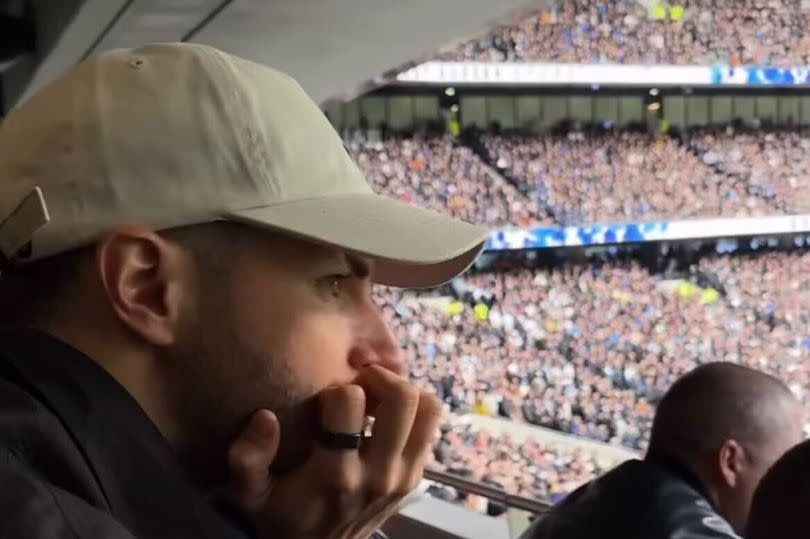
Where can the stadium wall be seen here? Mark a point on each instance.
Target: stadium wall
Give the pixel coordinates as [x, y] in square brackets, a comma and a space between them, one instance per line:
[538, 110]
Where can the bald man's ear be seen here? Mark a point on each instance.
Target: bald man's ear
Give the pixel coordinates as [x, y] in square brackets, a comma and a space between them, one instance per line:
[145, 281]
[731, 462]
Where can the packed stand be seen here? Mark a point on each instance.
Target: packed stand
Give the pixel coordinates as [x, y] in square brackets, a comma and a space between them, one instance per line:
[773, 164]
[696, 32]
[595, 175]
[608, 175]
[585, 350]
[437, 173]
[589, 350]
[526, 468]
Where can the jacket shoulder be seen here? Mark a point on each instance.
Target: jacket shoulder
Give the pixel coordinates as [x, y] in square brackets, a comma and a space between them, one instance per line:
[37, 509]
[682, 512]
[31, 432]
[633, 501]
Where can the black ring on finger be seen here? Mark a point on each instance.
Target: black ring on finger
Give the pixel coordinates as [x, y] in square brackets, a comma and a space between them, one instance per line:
[340, 440]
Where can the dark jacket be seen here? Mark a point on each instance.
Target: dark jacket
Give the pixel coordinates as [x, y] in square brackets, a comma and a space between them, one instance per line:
[80, 459]
[636, 500]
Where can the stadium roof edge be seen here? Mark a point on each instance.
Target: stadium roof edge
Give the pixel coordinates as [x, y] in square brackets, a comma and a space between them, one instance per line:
[332, 47]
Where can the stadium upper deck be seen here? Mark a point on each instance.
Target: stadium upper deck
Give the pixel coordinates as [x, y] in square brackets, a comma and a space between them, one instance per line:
[591, 177]
[682, 32]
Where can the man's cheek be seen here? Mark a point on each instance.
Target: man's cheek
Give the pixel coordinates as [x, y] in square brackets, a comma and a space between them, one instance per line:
[320, 359]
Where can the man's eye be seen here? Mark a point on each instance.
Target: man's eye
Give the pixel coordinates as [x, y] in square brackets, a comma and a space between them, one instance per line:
[336, 284]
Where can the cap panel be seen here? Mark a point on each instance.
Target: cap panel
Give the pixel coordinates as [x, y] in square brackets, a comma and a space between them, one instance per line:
[127, 136]
[178, 134]
[292, 138]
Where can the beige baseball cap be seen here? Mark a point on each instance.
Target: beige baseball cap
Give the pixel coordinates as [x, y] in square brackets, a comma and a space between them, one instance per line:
[171, 135]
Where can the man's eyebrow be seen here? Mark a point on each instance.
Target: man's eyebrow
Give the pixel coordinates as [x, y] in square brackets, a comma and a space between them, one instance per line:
[360, 267]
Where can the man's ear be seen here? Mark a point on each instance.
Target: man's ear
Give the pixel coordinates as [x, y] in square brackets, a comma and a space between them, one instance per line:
[731, 459]
[145, 280]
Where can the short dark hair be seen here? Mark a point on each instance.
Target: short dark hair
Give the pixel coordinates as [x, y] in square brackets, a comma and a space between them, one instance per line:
[38, 291]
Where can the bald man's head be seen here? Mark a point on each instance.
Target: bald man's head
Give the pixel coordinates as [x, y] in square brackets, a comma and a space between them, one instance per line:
[781, 505]
[722, 401]
[728, 424]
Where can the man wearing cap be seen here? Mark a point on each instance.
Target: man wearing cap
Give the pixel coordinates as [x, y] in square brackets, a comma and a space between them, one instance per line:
[187, 253]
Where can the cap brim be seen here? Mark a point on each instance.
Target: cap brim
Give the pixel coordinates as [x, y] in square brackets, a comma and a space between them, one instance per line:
[411, 247]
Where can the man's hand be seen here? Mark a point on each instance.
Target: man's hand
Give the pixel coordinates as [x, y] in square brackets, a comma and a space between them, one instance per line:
[339, 494]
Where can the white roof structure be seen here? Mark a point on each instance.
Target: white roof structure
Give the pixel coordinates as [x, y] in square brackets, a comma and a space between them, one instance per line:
[333, 47]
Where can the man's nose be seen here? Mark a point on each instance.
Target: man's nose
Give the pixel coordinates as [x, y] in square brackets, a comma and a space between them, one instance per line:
[375, 344]
[390, 358]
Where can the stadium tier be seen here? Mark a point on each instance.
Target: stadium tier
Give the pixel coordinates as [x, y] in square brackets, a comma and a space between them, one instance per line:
[437, 173]
[588, 350]
[628, 176]
[596, 176]
[683, 32]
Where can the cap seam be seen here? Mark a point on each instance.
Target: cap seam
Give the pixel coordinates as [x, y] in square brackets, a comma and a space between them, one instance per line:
[305, 199]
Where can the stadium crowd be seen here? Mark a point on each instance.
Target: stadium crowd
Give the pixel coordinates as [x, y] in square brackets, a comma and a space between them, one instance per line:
[595, 175]
[771, 164]
[697, 32]
[434, 172]
[588, 350]
[600, 176]
[528, 468]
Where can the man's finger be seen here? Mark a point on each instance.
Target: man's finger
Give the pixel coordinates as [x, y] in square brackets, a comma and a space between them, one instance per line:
[342, 412]
[342, 409]
[424, 429]
[250, 456]
[398, 402]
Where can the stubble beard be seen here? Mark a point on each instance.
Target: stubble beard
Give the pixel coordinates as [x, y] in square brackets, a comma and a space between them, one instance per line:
[220, 380]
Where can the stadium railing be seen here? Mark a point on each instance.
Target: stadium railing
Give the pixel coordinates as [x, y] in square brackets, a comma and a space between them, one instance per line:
[495, 494]
[427, 517]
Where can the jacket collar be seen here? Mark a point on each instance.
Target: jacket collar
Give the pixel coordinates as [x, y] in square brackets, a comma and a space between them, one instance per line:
[683, 472]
